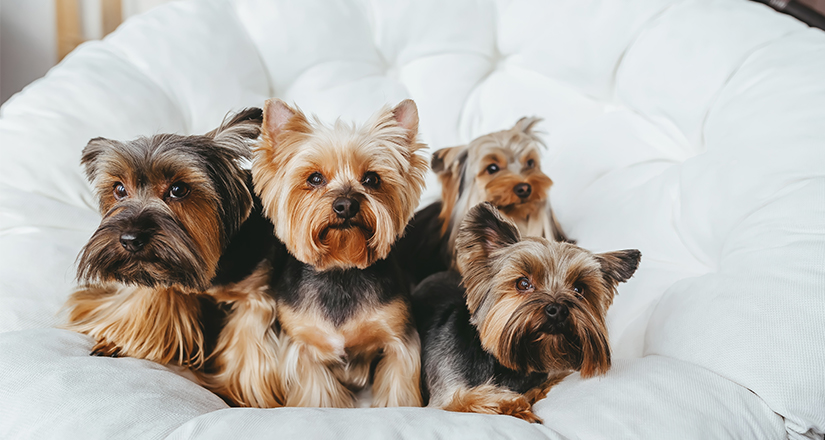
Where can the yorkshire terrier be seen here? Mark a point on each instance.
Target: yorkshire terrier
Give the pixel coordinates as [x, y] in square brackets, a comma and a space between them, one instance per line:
[503, 168]
[170, 206]
[339, 197]
[523, 314]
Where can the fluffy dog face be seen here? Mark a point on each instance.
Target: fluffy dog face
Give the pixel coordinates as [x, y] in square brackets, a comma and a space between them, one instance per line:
[339, 196]
[539, 305]
[502, 168]
[170, 204]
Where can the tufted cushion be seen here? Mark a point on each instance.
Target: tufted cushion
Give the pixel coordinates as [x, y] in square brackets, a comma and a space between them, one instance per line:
[691, 129]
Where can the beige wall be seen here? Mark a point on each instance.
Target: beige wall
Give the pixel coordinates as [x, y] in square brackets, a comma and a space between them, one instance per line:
[28, 43]
[34, 34]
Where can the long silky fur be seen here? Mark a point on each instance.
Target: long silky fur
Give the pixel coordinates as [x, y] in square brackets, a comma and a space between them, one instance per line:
[158, 324]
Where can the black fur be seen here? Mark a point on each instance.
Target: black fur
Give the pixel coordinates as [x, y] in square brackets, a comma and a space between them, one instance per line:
[253, 243]
[339, 293]
[439, 309]
[422, 252]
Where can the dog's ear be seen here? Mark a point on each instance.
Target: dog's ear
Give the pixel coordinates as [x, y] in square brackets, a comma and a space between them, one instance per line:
[449, 165]
[619, 266]
[526, 124]
[406, 115]
[483, 231]
[90, 156]
[246, 123]
[236, 130]
[279, 118]
[446, 159]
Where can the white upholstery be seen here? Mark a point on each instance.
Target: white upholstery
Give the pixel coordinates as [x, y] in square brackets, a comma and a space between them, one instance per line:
[693, 130]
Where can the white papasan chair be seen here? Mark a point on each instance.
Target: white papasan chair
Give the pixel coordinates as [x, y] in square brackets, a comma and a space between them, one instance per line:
[692, 130]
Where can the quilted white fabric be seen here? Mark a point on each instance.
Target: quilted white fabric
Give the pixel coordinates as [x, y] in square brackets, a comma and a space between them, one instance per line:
[689, 129]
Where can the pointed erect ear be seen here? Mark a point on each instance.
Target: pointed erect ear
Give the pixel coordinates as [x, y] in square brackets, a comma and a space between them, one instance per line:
[619, 266]
[91, 154]
[276, 116]
[406, 115]
[526, 124]
[482, 232]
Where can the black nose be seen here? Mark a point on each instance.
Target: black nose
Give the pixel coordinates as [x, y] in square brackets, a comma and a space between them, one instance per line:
[556, 313]
[345, 207]
[523, 190]
[133, 241]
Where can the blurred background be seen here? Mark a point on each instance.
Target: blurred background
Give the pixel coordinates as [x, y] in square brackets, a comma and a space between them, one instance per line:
[36, 34]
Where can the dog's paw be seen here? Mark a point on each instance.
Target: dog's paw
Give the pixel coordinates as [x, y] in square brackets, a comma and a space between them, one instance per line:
[106, 349]
[490, 399]
[520, 408]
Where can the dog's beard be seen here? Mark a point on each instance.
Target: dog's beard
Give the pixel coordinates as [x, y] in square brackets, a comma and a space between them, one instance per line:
[338, 243]
[521, 209]
[324, 241]
[345, 243]
[528, 345]
[170, 258]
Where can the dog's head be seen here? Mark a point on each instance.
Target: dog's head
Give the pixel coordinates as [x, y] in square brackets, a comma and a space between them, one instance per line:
[503, 168]
[170, 204]
[538, 305]
[339, 196]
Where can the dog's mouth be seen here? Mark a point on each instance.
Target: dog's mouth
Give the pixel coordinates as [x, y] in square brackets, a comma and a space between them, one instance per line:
[343, 226]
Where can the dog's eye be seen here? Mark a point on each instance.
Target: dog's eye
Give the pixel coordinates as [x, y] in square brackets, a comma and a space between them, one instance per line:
[120, 191]
[316, 179]
[178, 190]
[531, 163]
[492, 168]
[371, 180]
[579, 289]
[523, 284]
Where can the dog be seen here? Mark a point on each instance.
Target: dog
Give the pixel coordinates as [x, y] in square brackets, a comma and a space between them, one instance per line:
[523, 314]
[171, 205]
[339, 197]
[503, 168]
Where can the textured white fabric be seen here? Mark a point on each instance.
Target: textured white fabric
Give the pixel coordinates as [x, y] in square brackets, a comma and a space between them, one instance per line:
[689, 129]
[52, 388]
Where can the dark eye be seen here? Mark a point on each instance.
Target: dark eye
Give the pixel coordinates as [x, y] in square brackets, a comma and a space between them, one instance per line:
[316, 179]
[579, 289]
[531, 163]
[120, 191]
[492, 168]
[523, 284]
[371, 180]
[178, 190]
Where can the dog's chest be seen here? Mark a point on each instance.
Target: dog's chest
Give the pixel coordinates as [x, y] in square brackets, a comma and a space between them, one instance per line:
[344, 315]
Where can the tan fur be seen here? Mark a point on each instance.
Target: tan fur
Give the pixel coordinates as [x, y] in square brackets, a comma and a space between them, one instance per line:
[293, 149]
[538, 393]
[243, 368]
[492, 257]
[156, 324]
[323, 364]
[490, 399]
[512, 151]
[144, 270]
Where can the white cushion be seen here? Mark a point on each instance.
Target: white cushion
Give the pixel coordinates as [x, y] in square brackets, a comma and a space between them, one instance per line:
[691, 130]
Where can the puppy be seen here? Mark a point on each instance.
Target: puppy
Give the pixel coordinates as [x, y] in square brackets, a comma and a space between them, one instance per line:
[503, 168]
[170, 206]
[530, 311]
[339, 197]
